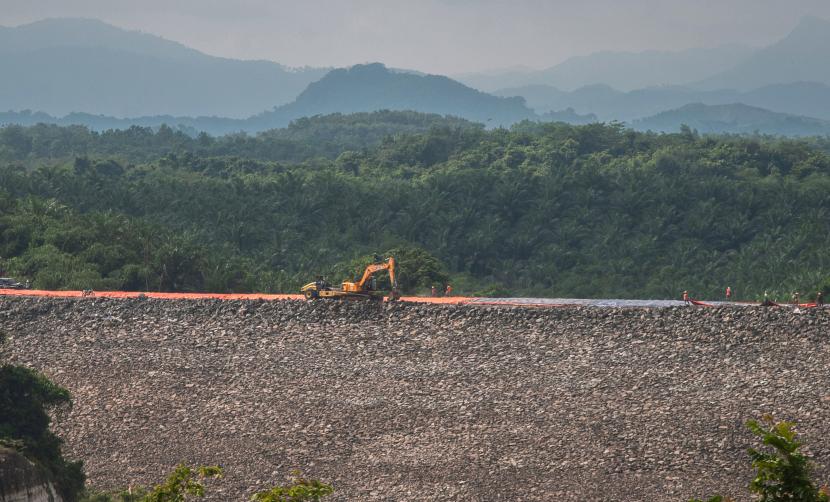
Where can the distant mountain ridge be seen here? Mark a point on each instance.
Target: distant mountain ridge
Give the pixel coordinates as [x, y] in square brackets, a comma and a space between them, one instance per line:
[736, 118]
[797, 98]
[87, 72]
[61, 66]
[371, 87]
[361, 88]
[621, 70]
[802, 56]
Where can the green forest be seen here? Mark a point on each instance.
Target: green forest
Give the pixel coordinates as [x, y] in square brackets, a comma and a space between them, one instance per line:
[539, 209]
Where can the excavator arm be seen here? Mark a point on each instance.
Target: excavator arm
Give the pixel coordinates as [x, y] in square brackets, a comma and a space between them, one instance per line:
[375, 267]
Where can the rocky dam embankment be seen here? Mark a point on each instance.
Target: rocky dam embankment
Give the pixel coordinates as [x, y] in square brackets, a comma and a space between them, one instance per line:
[427, 402]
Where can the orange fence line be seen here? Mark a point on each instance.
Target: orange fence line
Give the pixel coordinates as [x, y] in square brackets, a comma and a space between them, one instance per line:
[136, 294]
[451, 300]
[445, 300]
[201, 296]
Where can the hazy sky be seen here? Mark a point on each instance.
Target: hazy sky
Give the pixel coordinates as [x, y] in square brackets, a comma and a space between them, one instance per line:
[439, 36]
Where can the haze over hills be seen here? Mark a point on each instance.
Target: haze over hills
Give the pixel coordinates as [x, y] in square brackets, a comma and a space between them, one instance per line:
[361, 88]
[790, 76]
[798, 98]
[733, 118]
[622, 70]
[802, 56]
[88, 72]
[366, 88]
[60, 66]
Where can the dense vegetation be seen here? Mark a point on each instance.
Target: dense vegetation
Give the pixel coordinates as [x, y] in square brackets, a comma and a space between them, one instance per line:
[783, 473]
[541, 209]
[303, 139]
[26, 396]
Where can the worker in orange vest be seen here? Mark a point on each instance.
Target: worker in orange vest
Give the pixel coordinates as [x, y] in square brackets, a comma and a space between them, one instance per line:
[728, 293]
[685, 296]
[448, 291]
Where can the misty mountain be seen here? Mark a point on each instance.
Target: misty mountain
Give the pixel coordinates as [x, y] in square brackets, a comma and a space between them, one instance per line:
[621, 70]
[361, 88]
[610, 104]
[733, 118]
[366, 88]
[569, 116]
[188, 125]
[802, 56]
[798, 98]
[60, 66]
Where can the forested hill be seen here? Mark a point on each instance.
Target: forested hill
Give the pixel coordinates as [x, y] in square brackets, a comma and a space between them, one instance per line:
[303, 139]
[540, 209]
[734, 118]
[366, 88]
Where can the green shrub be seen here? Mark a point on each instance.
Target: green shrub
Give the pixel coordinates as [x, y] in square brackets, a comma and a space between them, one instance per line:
[25, 398]
[183, 481]
[783, 474]
[493, 291]
[299, 490]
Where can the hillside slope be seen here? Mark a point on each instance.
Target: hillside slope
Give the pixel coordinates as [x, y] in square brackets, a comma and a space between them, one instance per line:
[359, 89]
[802, 56]
[371, 87]
[733, 118]
[60, 66]
[622, 70]
[425, 403]
[796, 98]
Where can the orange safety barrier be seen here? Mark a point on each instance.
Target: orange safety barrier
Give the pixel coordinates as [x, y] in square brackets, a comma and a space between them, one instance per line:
[445, 300]
[136, 294]
[454, 300]
[700, 303]
[450, 300]
[496, 303]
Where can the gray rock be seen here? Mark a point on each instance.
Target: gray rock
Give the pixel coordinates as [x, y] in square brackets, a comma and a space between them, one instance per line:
[427, 402]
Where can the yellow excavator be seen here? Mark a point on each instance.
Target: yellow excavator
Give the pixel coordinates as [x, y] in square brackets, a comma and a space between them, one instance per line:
[360, 290]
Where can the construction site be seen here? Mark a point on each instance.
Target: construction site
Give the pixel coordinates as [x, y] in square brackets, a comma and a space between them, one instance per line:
[436, 399]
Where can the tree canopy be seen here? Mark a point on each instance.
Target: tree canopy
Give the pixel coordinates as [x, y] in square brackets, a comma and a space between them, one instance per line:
[540, 209]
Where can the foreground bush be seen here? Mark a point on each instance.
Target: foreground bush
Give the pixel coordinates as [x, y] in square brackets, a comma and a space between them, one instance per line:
[183, 481]
[300, 490]
[26, 396]
[186, 483]
[783, 473]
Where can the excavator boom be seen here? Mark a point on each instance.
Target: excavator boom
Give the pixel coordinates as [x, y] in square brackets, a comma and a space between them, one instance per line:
[376, 267]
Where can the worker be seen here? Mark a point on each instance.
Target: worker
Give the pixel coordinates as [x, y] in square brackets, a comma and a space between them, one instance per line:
[796, 297]
[448, 291]
[434, 291]
[728, 293]
[685, 297]
[819, 299]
